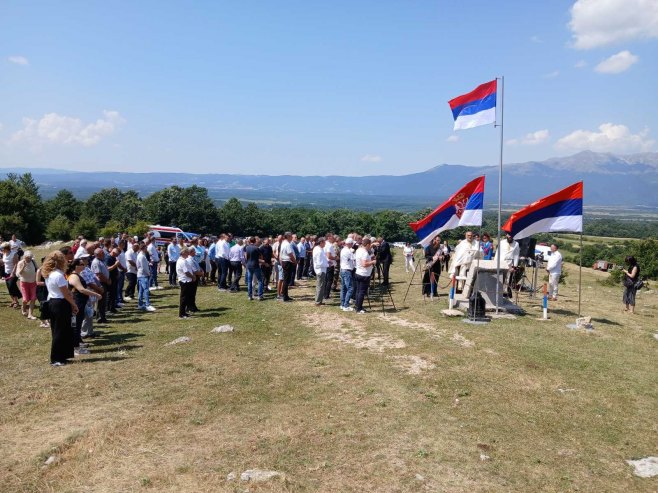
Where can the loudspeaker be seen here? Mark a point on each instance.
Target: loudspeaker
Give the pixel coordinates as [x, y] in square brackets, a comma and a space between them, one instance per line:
[476, 306]
[527, 247]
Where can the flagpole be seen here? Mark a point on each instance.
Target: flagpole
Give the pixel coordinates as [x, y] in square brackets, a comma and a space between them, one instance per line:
[500, 186]
[580, 271]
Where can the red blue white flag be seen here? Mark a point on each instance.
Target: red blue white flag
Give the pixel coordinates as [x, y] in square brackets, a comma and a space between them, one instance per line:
[561, 211]
[463, 208]
[476, 108]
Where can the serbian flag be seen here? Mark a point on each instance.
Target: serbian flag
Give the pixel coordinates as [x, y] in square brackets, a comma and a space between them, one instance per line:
[464, 208]
[476, 108]
[562, 211]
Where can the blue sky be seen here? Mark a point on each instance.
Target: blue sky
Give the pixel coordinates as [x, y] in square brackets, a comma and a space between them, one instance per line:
[299, 87]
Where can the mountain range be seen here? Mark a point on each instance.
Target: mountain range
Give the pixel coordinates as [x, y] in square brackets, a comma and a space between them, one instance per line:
[609, 181]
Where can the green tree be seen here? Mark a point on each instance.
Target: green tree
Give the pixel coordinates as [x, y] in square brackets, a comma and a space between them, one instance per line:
[59, 228]
[190, 209]
[87, 227]
[138, 229]
[21, 208]
[63, 204]
[111, 228]
[103, 205]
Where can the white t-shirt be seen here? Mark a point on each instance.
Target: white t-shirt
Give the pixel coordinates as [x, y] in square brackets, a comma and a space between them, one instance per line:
[330, 249]
[286, 250]
[122, 260]
[182, 266]
[361, 257]
[55, 282]
[554, 264]
[8, 259]
[346, 258]
[143, 268]
[319, 260]
[131, 255]
[408, 251]
[153, 252]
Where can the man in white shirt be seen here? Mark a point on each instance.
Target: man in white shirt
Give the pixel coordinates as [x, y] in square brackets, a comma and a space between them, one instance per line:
[194, 266]
[143, 275]
[330, 250]
[288, 262]
[173, 252]
[152, 250]
[364, 263]
[554, 268]
[186, 280]
[131, 272]
[236, 261]
[320, 265]
[222, 251]
[346, 275]
[509, 260]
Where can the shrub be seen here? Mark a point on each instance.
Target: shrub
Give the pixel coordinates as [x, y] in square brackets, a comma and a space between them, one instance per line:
[86, 227]
[59, 229]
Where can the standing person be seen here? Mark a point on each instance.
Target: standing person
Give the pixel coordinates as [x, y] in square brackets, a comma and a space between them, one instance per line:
[236, 259]
[221, 257]
[186, 280]
[61, 306]
[408, 252]
[288, 262]
[143, 275]
[346, 267]
[253, 262]
[131, 272]
[277, 268]
[212, 258]
[26, 270]
[295, 248]
[364, 264]
[510, 250]
[42, 296]
[81, 295]
[320, 264]
[10, 261]
[193, 265]
[266, 266]
[465, 252]
[123, 269]
[487, 247]
[112, 263]
[554, 269]
[386, 259]
[432, 272]
[308, 258]
[154, 256]
[173, 250]
[330, 250]
[99, 268]
[93, 284]
[446, 255]
[631, 278]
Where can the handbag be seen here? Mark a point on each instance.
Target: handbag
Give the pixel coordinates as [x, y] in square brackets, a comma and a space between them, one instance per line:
[639, 284]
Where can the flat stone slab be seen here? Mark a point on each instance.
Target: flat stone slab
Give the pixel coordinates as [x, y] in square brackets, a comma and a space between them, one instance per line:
[180, 340]
[645, 468]
[259, 475]
[222, 329]
[452, 313]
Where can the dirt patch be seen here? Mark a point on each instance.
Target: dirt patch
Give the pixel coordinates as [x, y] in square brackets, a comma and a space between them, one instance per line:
[462, 341]
[347, 330]
[414, 365]
[408, 324]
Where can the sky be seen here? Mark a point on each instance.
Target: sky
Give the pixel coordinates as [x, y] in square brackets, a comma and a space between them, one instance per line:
[319, 88]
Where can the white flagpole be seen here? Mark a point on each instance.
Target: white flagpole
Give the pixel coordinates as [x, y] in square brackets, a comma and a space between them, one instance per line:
[500, 185]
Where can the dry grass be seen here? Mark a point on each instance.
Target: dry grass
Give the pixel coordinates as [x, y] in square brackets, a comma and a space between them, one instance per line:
[336, 401]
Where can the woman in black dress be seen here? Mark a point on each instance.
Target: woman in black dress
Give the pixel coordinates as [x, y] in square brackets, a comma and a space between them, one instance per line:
[631, 276]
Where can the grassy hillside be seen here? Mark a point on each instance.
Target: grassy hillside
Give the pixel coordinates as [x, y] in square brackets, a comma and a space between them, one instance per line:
[404, 401]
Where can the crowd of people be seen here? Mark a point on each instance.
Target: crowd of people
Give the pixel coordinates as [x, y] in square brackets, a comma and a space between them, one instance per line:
[82, 285]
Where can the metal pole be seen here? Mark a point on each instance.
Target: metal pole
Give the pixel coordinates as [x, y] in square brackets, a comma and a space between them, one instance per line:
[580, 273]
[500, 186]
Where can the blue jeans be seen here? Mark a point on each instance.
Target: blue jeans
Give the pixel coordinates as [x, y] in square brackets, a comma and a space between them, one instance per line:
[223, 265]
[144, 299]
[251, 272]
[346, 287]
[154, 274]
[120, 282]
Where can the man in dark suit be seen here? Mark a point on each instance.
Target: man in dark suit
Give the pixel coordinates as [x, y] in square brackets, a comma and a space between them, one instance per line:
[385, 258]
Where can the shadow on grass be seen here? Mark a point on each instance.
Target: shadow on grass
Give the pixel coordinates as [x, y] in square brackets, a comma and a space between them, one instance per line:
[128, 347]
[116, 338]
[560, 311]
[100, 360]
[214, 312]
[605, 321]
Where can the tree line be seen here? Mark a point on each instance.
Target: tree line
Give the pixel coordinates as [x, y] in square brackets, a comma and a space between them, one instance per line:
[109, 211]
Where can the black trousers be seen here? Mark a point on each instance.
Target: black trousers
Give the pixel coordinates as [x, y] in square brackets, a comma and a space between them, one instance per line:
[386, 266]
[300, 268]
[223, 265]
[236, 274]
[132, 282]
[102, 302]
[362, 283]
[61, 348]
[185, 297]
[213, 270]
[288, 273]
[172, 273]
[192, 302]
[112, 294]
[267, 274]
[329, 282]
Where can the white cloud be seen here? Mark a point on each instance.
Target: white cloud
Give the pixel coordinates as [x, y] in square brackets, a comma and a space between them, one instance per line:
[609, 138]
[617, 64]
[65, 130]
[18, 60]
[531, 139]
[596, 23]
[453, 138]
[581, 64]
[371, 158]
[552, 75]
[535, 39]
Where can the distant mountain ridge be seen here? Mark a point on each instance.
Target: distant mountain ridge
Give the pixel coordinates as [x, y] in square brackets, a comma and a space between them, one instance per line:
[610, 180]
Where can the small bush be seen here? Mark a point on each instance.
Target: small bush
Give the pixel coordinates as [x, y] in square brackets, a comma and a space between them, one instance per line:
[59, 229]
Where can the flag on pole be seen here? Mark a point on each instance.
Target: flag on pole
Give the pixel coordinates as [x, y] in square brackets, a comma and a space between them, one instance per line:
[476, 108]
[561, 211]
[463, 208]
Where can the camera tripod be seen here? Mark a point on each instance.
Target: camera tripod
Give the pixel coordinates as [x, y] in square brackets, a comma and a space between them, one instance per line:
[380, 290]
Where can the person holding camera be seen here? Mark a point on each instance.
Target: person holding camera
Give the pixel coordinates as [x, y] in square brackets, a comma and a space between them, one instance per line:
[632, 283]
